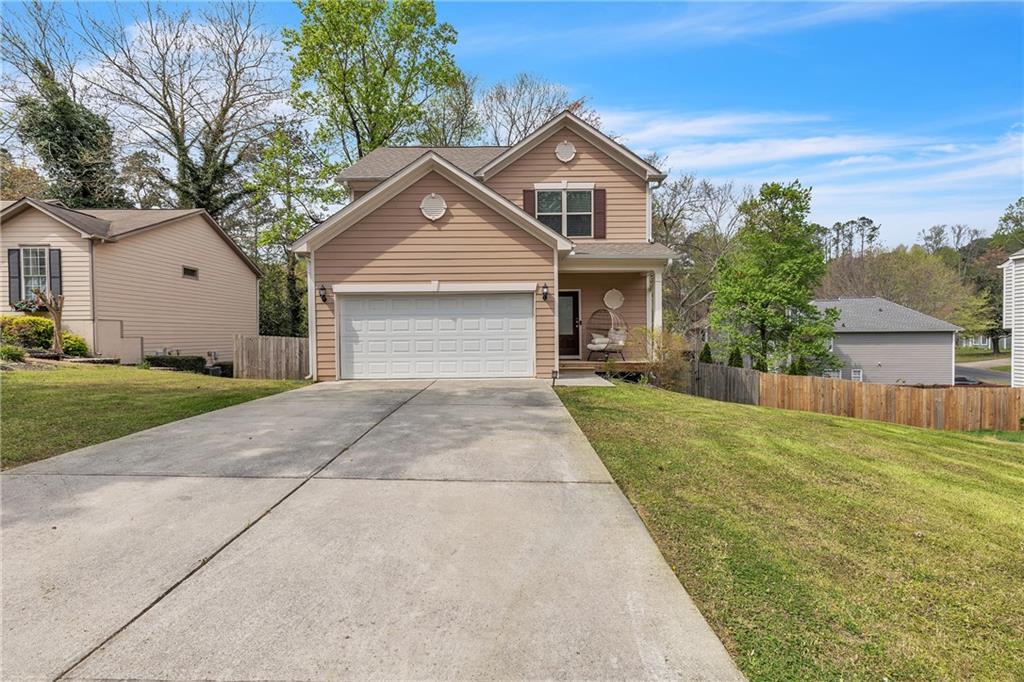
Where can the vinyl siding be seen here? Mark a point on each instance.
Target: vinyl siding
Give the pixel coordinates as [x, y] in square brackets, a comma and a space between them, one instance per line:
[1008, 294]
[898, 358]
[1015, 273]
[139, 282]
[34, 228]
[470, 243]
[626, 192]
[593, 286]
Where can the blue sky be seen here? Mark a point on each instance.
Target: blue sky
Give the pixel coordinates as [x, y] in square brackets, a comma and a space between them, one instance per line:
[910, 114]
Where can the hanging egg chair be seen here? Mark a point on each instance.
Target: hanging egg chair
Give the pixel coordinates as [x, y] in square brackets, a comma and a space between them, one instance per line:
[605, 329]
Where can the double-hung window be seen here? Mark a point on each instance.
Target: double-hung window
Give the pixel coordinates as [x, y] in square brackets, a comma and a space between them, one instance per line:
[567, 211]
[33, 270]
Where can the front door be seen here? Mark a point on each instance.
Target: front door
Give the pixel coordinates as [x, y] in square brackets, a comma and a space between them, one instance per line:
[568, 323]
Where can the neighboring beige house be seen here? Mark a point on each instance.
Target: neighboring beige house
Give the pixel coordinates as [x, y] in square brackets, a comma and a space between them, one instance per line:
[882, 342]
[135, 282]
[486, 261]
[1013, 314]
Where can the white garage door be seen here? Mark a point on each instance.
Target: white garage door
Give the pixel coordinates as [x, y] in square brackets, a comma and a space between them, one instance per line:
[433, 335]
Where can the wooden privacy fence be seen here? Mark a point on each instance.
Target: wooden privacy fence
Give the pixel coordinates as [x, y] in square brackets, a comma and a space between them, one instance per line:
[957, 408]
[271, 357]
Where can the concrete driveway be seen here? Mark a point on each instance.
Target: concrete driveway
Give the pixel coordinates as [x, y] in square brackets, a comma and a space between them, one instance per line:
[460, 529]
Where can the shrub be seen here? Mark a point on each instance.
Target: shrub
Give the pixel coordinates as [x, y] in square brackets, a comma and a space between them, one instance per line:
[27, 331]
[705, 354]
[735, 357]
[185, 363]
[227, 369]
[74, 344]
[670, 363]
[11, 353]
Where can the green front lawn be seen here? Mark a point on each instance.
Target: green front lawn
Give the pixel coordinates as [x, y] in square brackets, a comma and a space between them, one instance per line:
[821, 547]
[1001, 368]
[968, 355]
[47, 412]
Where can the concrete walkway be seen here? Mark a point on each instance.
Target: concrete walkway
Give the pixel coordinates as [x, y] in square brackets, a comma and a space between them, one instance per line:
[343, 531]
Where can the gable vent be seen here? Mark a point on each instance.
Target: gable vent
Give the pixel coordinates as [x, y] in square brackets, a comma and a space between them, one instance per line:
[433, 206]
[565, 151]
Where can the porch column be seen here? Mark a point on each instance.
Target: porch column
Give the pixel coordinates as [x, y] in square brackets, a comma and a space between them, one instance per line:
[657, 299]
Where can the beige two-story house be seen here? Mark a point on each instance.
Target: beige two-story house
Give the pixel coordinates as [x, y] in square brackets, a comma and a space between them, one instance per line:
[487, 261]
[135, 282]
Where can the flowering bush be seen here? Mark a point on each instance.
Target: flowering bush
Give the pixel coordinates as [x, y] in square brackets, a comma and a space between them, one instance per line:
[29, 305]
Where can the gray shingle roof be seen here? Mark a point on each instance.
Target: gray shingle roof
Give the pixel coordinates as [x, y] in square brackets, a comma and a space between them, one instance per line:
[384, 162]
[107, 222]
[606, 249]
[876, 315]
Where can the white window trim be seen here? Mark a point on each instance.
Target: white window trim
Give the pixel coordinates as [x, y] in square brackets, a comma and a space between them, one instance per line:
[564, 188]
[564, 184]
[25, 295]
[832, 374]
[857, 375]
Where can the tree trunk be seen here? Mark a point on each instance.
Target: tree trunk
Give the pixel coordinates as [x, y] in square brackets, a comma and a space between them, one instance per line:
[293, 294]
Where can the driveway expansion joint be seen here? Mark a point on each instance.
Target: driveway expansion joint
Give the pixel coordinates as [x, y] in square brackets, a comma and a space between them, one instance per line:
[206, 560]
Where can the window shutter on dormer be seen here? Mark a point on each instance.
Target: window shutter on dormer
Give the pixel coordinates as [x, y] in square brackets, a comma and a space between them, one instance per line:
[600, 214]
[530, 202]
[13, 275]
[56, 281]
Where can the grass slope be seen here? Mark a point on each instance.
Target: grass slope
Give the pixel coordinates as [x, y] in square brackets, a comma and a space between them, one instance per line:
[45, 413]
[821, 547]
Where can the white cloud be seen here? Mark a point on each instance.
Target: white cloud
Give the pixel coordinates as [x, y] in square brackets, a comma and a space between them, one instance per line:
[760, 151]
[692, 25]
[860, 160]
[658, 127]
[905, 182]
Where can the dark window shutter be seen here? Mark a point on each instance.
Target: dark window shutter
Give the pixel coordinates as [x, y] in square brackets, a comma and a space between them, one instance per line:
[600, 214]
[55, 278]
[13, 275]
[530, 202]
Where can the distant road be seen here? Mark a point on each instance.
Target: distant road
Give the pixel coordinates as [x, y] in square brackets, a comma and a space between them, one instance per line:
[982, 374]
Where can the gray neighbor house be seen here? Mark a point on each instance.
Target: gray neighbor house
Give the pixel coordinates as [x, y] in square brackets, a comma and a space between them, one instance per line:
[883, 342]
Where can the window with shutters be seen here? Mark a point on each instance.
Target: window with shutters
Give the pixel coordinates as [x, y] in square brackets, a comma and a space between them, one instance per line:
[34, 274]
[568, 211]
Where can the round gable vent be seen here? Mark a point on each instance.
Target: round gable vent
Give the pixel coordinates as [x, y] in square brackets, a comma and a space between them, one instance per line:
[565, 151]
[433, 206]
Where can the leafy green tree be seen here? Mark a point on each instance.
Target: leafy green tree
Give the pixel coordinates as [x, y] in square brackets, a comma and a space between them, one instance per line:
[1009, 235]
[17, 181]
[913, 277]
[763, 289]
[74, 144]
[705, 354]
[296, 182]
[367, 68]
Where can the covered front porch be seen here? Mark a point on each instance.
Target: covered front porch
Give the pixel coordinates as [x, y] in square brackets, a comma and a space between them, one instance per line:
[607, 315]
